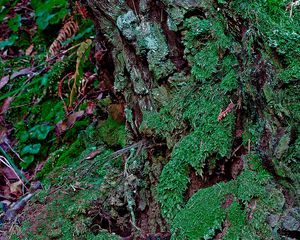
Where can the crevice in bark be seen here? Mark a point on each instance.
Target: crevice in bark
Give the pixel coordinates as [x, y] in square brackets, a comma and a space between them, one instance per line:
[134, 5]
[103, 220]
[195, 13]
[219, 234]
[210, 177]
[158, 14]
[290, 234]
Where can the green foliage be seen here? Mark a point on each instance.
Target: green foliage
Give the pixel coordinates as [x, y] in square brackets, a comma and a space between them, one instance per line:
[229, 81]
[206, 61]
[5, 8]
[40, 132]
[291, 73]
[111, 132]
[14, 23]
[9, 42]
[63, 213]
[31, 149]
[58, 70]
[73, 151]
[196, 29]
[49, 11]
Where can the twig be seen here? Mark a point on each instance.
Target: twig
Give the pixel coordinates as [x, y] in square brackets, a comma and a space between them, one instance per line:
[7, 164]
[7, 197]
[18, 156]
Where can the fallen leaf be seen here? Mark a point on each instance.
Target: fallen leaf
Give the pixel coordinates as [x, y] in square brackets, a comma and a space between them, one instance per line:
[93, 154]
[72, 118]
[5, 105]
[3, 136]
[63, 126]
[21, 72]
[9, 174]
[90, 108]
[223, 114]
[16, 188]
[29, 50]
[4, 81]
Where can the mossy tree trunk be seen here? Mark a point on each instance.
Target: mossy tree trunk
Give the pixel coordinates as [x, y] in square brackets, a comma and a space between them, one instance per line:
[209, 90]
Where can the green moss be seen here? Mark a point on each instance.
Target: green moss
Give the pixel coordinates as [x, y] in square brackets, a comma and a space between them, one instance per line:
[72, 133]
[230, 202]
[64, 214]
[112, 132]
[103, 235]
[62, 156]
[208, 140]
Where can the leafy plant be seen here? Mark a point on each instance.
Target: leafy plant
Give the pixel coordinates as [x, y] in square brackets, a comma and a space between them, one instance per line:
[15, 22]
[40, 132]
[49, 11]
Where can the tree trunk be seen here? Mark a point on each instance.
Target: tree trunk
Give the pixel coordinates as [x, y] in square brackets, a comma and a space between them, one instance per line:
[210, 94]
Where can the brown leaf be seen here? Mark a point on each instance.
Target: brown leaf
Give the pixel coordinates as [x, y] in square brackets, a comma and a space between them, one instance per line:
[62, 126]
[5, 105]
[16, 188]
[223, 114]
[117, 112]
[9, 174]
[68, 30]
[21, 72]
[3, 135]
[4, 81]
[90, 108]
[93, 154]
[29, 50]
[72, 118]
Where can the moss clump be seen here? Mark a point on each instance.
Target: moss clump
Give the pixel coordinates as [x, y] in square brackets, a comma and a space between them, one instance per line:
[64, 214]
[62, 156]
[208, 141]
[242, 205]
[111, 132]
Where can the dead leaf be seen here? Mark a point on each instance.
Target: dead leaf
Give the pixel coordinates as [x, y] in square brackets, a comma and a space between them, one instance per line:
[63, 126]
[4, 81]
[90, 108]
[3, 136]
[5, 105]
[29, 50]
[72, 118]
[9, 174]
[93, 154]
[21, 72]
[223, 114]
[16, 188]
[60, 127]
[117, 112]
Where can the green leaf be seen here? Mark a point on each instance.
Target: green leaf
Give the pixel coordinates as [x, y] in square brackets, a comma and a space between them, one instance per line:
[40, 132]
[43, 20]
[8, 42]
[23, 136]
[31, 149]
[27, 161]
[49, 12]
[14, 23]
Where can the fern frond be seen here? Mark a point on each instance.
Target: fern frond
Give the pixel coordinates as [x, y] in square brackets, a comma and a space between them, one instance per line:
[68, 30]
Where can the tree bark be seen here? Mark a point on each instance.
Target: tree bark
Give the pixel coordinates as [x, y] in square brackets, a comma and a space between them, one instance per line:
[153, 58]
